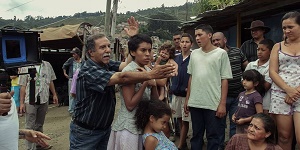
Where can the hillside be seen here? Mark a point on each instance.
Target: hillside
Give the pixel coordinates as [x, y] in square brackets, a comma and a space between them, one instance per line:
[96, 19]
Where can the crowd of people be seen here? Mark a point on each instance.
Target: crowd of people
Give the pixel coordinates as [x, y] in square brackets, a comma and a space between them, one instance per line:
[257, 86]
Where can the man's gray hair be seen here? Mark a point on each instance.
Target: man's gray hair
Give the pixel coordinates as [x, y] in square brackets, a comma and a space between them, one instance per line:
[90, 42]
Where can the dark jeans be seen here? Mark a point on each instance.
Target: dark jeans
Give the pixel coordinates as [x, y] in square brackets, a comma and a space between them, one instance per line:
[85, 139]
[231, 107]
[204, 119]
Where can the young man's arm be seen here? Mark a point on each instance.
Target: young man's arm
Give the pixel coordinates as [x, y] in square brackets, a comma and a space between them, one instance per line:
[22, 99]
[52, 89]
[244, 65]
[65, 73]
[64, 67]
[23, 83]
[186, 108]
[244, 60]
[221, 110]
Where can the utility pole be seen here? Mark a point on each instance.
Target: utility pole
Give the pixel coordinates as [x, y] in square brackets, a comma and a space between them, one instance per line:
[113, 28]
[114, 18]
[187, 11]
[107, 17]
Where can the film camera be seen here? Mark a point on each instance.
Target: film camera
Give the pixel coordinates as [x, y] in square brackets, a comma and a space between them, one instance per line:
[18, 48]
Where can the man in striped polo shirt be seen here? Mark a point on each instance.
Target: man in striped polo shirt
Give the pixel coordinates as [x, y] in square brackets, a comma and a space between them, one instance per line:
[249, 47]
[238, 62]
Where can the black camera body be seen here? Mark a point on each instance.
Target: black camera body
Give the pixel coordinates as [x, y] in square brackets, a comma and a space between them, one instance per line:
[19, 48]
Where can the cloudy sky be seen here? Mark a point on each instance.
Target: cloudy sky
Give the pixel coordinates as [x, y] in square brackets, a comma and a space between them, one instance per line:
[53, 8]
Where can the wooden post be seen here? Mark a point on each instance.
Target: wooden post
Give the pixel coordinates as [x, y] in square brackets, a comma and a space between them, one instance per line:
[107, 18]
[114, 19]
[84, 42]
[238, 30]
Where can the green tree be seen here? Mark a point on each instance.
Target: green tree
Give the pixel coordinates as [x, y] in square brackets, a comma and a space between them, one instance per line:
[29, 18]
[201, 6]
[220, 4]
[143, 29]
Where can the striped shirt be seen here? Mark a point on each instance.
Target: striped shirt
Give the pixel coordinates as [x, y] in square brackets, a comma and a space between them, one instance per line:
[95, 101]
[236, 58]
[249, 48]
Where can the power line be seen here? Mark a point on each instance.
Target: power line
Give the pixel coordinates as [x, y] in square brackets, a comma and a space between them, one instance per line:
[54, 22]
[20, 5]
[158, 19]
[98, 25]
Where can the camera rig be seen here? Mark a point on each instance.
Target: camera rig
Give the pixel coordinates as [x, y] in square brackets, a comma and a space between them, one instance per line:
[18, 48]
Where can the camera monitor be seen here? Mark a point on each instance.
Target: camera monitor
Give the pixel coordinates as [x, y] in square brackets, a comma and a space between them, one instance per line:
[19, 48]
[13, 49]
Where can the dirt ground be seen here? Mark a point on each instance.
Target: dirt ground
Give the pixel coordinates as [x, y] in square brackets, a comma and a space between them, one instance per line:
[57, 126]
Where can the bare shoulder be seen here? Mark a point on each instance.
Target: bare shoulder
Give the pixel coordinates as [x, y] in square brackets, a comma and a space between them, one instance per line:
[151, 139]
[150, 142]
[276, 46]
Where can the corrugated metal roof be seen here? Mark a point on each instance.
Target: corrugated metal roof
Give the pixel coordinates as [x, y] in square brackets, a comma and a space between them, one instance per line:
[247, 9]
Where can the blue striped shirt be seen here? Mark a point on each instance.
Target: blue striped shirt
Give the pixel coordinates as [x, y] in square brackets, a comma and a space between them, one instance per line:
[95, 101]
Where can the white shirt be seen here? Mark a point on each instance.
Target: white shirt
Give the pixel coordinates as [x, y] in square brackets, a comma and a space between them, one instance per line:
[9, 129]
[263, 69]
[207, 70]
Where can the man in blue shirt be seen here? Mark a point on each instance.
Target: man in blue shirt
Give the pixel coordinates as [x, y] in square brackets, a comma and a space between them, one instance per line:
[95, 97]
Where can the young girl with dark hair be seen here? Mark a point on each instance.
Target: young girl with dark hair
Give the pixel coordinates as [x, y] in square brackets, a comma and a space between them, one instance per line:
[152, 117]
[250, 101]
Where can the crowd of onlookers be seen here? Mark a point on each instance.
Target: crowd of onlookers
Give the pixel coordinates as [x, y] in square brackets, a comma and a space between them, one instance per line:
[257, 86]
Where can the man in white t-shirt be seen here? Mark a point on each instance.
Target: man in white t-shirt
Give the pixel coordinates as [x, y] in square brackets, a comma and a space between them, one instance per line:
[9, 126]
[209, 69]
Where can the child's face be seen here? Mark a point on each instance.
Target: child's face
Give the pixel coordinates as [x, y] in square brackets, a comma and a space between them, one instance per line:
[263, 53]
[142, 54]
[164, 54]
[159, 124]
[248, 85]
[185, 44]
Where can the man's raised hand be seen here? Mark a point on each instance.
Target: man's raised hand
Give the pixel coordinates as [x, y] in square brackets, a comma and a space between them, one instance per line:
[133, 27]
